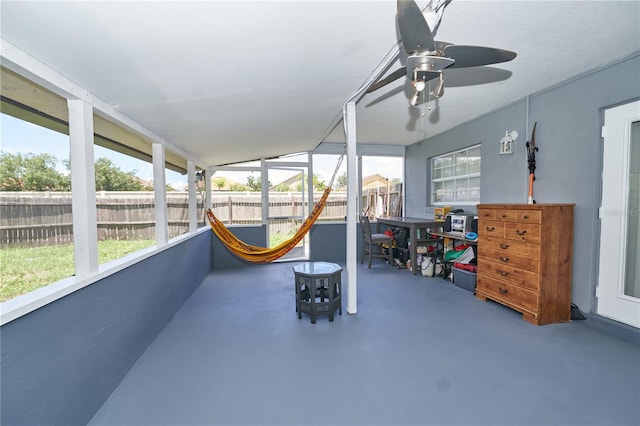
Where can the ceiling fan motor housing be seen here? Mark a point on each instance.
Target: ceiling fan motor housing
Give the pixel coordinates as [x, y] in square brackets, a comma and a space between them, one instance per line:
[423, 62]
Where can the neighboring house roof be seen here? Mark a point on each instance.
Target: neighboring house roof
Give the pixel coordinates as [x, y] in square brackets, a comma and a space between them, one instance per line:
[374, 181]
[291, 182]
[371, 182]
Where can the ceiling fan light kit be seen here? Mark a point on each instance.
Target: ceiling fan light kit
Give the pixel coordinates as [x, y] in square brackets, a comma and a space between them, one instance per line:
[427, 59]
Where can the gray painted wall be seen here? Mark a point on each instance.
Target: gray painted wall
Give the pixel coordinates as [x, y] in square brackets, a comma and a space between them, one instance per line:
[569, 163]
[62, 361]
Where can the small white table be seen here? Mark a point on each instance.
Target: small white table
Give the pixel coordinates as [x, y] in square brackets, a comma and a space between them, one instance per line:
[318, 289]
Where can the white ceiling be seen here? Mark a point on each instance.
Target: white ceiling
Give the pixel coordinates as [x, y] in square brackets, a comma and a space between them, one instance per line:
[237, 80]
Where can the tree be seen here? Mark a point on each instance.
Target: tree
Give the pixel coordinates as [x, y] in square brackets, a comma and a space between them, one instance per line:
[282, 187]
[237, 187]
[109, 177]
[254, 183]
[219, 182]
[318, 184]
[341, 181]
[31, 172]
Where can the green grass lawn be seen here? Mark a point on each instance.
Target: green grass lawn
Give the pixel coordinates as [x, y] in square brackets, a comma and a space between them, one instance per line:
[278, 238]
[25, 269]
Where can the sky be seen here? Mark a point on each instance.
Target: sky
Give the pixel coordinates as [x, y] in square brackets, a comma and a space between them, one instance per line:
[18, 136]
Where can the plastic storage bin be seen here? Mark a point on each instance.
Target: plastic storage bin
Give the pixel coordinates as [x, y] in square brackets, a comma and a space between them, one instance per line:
[464, 279]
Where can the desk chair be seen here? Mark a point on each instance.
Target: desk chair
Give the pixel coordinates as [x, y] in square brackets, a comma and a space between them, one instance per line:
[369, 241]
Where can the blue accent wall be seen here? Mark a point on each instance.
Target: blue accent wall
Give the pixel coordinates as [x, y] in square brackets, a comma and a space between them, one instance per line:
[329, 242]
[62, 361]
[569, 162]
[224, 259]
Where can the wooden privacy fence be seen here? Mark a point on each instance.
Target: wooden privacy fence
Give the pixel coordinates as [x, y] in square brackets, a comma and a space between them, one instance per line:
[30, 219]
[383, 201]
[237, 209]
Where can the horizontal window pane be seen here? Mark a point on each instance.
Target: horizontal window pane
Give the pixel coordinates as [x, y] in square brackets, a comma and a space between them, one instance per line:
[448, 172]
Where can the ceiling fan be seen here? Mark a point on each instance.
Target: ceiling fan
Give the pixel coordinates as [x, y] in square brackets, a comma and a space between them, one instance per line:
[428, 58]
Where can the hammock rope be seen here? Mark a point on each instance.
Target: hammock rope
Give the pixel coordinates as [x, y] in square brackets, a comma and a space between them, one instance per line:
[257, 254]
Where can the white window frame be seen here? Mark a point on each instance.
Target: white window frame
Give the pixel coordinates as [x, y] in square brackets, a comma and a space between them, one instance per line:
[453, 178]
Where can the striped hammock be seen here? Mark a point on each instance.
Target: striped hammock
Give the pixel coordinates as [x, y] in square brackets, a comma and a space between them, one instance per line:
[259, 254]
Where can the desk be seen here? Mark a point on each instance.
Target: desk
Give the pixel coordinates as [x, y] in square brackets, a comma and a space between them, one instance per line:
[318, 280]
[413, 224]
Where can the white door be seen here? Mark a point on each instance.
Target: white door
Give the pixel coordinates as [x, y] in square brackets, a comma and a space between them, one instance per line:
[619, 277]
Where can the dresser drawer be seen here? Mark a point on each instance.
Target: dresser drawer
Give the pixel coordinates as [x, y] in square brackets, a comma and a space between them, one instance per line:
[528, 232]
[486, 214]
[505, 215]
[511, 215]
[509, 246]
[491, 228]
[528, 216]
[508, 294]
[509, 274]
[502, 257]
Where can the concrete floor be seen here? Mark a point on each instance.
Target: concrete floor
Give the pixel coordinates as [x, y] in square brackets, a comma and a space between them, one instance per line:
[420, 351]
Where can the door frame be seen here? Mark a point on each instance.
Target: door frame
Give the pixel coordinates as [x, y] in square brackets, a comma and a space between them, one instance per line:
[613, 213]
[307, 200]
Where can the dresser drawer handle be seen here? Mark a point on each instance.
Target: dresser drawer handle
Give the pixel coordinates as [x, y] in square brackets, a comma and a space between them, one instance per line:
[502, 273]
[526, 216]
[521, 232]
[504, 259]
[486, 215]
[490, 228]
[503, 290]
[504, 216]
[504, 246]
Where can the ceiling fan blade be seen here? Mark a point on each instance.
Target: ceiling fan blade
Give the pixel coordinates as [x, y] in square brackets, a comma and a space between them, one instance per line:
[400, 72]
[474, 56]
[414, 30]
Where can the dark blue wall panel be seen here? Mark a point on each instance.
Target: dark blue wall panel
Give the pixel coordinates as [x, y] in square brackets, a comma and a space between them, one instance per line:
[329, 242]
[224, 259]
[62, 361]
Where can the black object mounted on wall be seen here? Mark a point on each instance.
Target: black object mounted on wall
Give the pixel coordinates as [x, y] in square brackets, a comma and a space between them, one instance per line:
[447, 224]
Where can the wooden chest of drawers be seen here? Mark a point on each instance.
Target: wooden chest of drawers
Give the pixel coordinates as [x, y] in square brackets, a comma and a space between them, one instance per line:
[525, 259]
